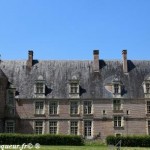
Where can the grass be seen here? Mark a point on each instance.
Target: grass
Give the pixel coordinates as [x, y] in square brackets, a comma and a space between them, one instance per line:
[86, 148]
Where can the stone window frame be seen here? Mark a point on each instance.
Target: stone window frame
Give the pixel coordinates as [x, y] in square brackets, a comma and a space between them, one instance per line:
[41, 82]
[148, 127]
[78, 109]
[74, 93]
[91, 130]
[57, 109]
[118, 121]
[88, 109]
[53, 127]
[43, 126]
[43, 111]
[148, 107]
[74, 127]
[120, 105]
[13, 126]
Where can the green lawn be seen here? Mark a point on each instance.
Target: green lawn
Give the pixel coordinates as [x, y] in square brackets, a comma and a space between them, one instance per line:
[86, 148]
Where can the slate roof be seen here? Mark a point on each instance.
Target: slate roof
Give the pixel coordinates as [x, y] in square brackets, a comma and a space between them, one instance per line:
[92, 85]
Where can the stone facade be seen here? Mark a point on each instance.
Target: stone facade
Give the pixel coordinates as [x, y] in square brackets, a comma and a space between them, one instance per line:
[93, 99]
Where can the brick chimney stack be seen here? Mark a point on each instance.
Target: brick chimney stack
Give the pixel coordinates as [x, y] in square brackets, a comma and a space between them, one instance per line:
[125, 63]
[30, 59]
[96, 60]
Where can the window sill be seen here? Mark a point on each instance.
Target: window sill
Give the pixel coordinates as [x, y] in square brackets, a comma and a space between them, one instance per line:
[117, 111]
[39, 115]
[119, 128]
[75, 115]
[53, 115]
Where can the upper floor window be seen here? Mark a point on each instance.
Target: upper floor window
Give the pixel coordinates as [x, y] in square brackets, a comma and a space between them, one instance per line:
[10, 126]
[39, 107]
[39, 87]
[10, 97]
[87, 107]
[53, 107]
[73, 107]
[147, 87]
[116, 105]
[148, 127]
[38, 127]
[148, 107]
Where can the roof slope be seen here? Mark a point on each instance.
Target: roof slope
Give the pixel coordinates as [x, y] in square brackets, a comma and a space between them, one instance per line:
[58, 73]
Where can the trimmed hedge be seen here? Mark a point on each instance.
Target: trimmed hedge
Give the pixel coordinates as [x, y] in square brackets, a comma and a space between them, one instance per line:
[129, 141]
[47, 139]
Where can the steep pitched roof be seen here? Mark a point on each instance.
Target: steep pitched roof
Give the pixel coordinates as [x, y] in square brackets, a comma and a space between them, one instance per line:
[57, 74]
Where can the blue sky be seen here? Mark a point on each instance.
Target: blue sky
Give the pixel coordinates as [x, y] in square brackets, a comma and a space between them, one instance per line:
[72, 29]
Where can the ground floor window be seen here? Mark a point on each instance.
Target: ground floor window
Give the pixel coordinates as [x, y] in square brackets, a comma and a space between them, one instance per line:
[53, 127]
[118, 121]
[38, 127]
[10, 126]
[149, 127]
[87, 128]
[74, 127]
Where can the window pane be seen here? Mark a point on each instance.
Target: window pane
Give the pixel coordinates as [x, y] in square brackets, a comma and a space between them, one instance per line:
[53, 127]
[87, 128]
[74, 127]
[10, 127]
[74, 107]
[39, 127]
[53, 108]
[39, 107]
[87, 107]
[148, 106]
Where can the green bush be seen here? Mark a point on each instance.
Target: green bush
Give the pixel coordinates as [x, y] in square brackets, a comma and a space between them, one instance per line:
[18, 139]
[129, 141]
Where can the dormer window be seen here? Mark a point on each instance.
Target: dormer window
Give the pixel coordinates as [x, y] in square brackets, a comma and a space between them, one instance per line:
[74, 87]
[116, 88]
[39, 87]
[147, 87]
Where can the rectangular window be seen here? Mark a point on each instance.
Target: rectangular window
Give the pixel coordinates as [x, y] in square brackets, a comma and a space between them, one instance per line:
[10, 97]
[87, 107]
[73, 107]
[38, 127]
[147, 88]
[74, 127]
[53, 127]
[39, 107]
[53, 108]
[87, 128]
[148, 107]
[39, 87]
[10, 127]
[148, 127]
[116, 104]
[74, 88]
[117, 121]
[116, 88]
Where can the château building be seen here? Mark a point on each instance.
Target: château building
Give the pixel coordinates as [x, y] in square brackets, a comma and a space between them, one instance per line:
[93, 98]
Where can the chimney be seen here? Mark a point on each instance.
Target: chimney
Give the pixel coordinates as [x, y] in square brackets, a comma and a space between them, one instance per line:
[96, 60]
[30, 59]
[125, 64]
